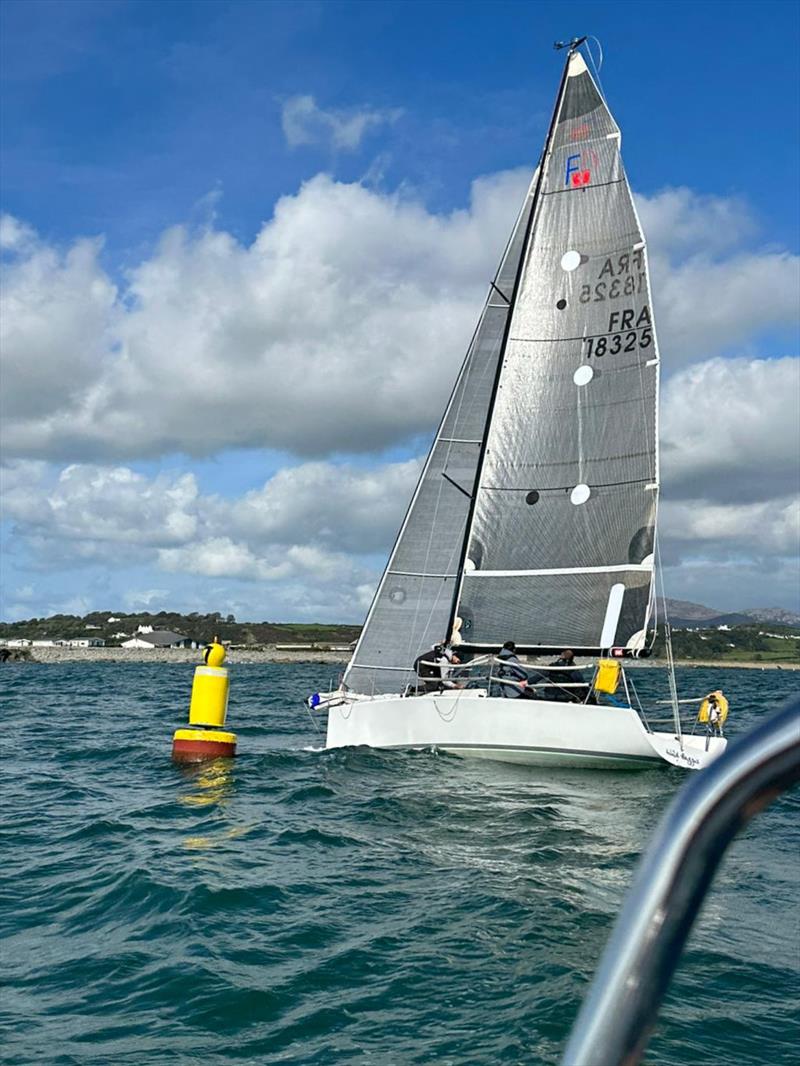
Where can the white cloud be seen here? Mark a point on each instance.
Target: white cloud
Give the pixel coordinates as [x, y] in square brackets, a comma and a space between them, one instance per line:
[305, 123]
[730, 430]
[143, 599]
[110, 505]
[353, 510]
[56, 318]
[15, 235]
[339, 328]
[710, 293]
[310, 533]
[679, 222]
[704, 307]
[764, 530]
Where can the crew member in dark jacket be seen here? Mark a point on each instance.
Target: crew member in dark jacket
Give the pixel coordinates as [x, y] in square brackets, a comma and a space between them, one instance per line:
[571, 677]
[513, 670]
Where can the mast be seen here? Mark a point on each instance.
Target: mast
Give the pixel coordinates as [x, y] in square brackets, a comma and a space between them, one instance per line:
[573, 45]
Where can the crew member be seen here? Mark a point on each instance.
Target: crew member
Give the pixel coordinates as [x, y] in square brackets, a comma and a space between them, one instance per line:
[511, 669]
[570, 677]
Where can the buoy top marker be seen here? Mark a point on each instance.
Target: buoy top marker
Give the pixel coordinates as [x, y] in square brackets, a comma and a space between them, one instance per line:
[214, 653]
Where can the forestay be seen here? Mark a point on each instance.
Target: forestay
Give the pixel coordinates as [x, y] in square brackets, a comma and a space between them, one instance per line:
[567, 495]
[412, 606]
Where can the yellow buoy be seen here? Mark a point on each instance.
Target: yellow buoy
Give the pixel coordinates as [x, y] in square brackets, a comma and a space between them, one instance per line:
[204, 738]
[209, 703]
[214, 653]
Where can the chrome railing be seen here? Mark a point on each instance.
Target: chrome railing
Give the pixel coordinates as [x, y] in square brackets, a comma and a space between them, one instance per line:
[617, 1017]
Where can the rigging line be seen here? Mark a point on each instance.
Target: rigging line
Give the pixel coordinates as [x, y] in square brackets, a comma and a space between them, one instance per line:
[673, 688]
[456, 485]
[501, 294]
[595, 65]
[313, 722]
[463, 371]
[455, 545]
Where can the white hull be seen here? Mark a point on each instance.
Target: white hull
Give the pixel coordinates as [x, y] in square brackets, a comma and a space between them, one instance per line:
[533, 732]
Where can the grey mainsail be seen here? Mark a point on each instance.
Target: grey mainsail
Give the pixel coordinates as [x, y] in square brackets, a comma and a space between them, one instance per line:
[539, 494]
[567, 494]
[413, 602]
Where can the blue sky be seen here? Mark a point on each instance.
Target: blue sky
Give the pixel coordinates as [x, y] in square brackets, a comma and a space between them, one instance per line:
[161, 159]
[152, 106]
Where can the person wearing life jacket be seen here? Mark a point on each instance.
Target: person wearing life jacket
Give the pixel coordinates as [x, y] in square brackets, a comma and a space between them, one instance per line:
[569, 677]
[447, 660]
[434, 667]
[714, 714]
[511, 678]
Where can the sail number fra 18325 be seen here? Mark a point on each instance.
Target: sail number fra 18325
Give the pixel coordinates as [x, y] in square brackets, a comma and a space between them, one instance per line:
[620, 275]
[633, 331]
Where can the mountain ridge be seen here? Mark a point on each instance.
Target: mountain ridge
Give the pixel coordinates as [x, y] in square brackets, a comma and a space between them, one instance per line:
[686, 614]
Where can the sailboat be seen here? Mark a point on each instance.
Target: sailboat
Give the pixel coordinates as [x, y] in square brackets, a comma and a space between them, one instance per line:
[534, 518]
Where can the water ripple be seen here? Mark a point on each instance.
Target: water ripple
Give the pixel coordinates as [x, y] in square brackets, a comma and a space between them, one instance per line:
[311, 907]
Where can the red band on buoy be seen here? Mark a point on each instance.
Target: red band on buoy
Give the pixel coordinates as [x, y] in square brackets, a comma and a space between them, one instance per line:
[197, 750]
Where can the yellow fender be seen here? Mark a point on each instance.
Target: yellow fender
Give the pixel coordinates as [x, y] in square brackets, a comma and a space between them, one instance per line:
[705, 708]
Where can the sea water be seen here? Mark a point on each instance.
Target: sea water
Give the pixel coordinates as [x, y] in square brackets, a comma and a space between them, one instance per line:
[312, 907]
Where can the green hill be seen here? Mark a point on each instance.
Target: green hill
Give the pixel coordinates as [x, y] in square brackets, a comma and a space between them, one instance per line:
[762, 642]
[200, 627]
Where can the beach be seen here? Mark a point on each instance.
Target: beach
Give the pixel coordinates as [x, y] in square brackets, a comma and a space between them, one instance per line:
[268, 654]
[271, 654]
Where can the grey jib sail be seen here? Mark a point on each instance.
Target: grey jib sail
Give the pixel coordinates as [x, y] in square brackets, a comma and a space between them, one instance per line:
[412, 606]
[554, 417]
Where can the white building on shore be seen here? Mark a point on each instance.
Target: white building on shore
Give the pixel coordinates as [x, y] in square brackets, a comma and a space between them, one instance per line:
[159, 639]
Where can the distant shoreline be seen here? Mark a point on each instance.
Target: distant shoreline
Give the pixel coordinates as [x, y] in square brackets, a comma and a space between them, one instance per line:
[305, 655]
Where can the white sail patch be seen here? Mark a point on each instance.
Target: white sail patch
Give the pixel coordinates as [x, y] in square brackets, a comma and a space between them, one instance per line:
[571, 260]
[583, 375]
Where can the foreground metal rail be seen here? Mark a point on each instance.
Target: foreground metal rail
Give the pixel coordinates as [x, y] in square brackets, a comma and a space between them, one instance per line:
[618, 1015]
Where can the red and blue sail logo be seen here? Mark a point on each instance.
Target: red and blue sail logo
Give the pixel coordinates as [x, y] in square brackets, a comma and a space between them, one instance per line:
[577, 171]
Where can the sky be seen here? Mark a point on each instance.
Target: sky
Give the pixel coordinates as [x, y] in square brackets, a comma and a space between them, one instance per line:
[244, 246]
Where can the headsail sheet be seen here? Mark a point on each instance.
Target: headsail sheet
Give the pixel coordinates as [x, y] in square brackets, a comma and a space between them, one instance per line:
[412, 606]
[566, 503]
